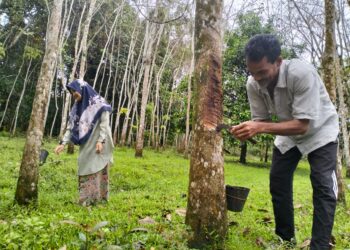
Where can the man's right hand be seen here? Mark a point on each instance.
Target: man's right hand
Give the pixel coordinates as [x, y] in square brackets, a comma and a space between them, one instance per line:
[59, 149]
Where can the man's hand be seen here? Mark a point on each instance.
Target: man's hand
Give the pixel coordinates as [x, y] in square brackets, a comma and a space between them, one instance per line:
[246, 130]
[99, 147]
[59, 149]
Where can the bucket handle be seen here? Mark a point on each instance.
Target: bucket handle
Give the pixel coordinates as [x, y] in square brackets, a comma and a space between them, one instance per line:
[238, 198]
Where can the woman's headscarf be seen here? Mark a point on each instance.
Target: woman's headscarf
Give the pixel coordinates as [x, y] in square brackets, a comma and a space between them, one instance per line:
[85, 113]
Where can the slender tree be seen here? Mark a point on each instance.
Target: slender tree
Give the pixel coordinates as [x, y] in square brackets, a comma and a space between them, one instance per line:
[27, 185]
[189, 95]
[147, 60]
[206, 207]
[83, 44]
[330, 77]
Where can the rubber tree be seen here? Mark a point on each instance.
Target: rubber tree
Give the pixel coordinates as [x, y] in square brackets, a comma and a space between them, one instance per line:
[27, 185]
[206, 205]
[330, 64]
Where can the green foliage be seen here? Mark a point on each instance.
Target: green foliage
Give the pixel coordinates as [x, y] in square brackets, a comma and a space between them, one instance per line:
[123, 111]
[154, 186]
[31, 52]
[236, 106]
[249, 24]
[25, 31]
[2, 51]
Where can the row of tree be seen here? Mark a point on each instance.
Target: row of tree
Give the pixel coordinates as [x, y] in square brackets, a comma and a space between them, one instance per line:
[139, 55]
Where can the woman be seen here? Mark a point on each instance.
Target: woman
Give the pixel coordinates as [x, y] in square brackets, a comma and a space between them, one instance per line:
[89, 128]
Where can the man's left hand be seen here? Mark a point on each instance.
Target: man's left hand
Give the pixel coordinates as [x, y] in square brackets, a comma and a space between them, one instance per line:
[245, 130]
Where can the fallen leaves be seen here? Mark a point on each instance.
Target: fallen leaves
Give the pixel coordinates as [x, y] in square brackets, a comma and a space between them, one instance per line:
[305, 244]
[168, 217]
[267, 220]
[181, 212]
[233, 223]
[246, 231]
[147, 220]
[261, 243]
[297, 206]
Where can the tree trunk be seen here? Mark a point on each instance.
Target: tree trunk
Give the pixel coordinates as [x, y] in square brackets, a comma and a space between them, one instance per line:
[134, 88]
[26, 79]
[342, 109]
[243, 156]
[341, 186]
[330, 51]
[330, 77]
[11, 91]
[267, 150]
[109, 38]
[149, 39]
[155, 123]
[67, 99]
[189, 96]
[84, 47]
[343, 113]
[206, 207]
[27, 185]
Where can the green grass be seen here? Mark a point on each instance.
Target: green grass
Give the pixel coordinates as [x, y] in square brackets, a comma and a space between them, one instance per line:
[154, 186]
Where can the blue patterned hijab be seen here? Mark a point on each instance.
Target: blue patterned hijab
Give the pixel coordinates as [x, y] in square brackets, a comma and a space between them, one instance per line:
[85, 113]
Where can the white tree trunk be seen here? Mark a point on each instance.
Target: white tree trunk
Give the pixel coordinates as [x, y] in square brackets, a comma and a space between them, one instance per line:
[83, 44]
[148, 49]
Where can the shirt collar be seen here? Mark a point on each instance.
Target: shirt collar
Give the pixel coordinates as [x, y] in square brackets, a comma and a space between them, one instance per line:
[282, 75]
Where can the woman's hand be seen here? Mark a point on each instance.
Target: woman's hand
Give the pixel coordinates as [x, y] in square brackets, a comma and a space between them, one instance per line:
[59, 149]
[99, 147]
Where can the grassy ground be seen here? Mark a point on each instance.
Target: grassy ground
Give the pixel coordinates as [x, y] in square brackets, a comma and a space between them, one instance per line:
[149, 190]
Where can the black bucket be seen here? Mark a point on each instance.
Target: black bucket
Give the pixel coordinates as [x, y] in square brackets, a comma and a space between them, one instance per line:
[236, 197]
[43, 155]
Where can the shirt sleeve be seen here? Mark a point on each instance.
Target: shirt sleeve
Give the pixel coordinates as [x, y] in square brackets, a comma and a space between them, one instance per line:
[104, 126]
[258, 107]
[306, 96]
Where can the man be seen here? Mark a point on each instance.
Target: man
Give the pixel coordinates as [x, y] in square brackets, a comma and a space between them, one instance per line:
[293, 93]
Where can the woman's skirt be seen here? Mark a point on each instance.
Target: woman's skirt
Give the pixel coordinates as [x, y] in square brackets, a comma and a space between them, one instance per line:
[94, 188]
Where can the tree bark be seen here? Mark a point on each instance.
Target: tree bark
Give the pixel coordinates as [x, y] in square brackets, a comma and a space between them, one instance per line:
[77, 51]
[330, 77]
[206, 207]
[243, 156]
[11, 91]
[27, 185]
[149, 39]
[189, 96]
[26, 79]
[343, 113]
[267, 146]
[84, 46]
[330, 51]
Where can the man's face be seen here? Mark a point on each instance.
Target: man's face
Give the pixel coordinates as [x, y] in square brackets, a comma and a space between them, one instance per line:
[263, 71]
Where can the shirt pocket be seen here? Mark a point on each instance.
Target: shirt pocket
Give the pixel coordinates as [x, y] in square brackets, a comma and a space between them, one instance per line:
[283, 106]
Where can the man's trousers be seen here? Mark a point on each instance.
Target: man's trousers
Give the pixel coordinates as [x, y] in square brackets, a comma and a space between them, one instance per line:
[325, 190]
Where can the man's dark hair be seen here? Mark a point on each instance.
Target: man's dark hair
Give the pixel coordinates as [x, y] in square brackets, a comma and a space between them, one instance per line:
[263, 45]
